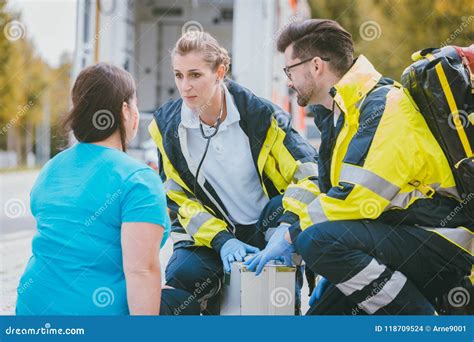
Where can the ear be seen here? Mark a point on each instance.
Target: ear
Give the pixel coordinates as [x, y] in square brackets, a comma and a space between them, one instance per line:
[126, 111]
[317, 65]
[221, 72]
[136, 120]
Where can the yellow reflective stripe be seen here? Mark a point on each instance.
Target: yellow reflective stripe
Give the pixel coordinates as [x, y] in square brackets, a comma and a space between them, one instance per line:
[188, 208]
[429, 56]
[282, 173]
[305, 170]
[461, 237]
[363, 177]
[202, 226]
[454, 110]
[266, 148]
[471, 116]
[168, 167]
[208, 231]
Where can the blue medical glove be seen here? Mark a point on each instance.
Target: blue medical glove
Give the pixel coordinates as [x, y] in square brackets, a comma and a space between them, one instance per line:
[318, 291]
[277, 248]
[235, 250]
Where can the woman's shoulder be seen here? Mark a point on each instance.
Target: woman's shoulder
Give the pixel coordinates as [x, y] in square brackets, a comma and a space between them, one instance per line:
[126, 165]
[113, 162]
[57, 160]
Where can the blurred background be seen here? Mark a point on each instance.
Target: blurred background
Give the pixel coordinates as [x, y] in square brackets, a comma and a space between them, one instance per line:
[45, 43]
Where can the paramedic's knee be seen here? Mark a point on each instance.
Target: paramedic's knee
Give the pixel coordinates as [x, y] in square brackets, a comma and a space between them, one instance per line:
[195, 270]
[315, 242]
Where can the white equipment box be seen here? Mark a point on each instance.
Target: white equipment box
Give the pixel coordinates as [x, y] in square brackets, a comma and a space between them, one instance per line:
[270, 293]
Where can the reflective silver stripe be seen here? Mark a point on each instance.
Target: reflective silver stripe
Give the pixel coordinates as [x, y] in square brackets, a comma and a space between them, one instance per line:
[306, 170]
[315, 212]
[300, 194]
[461, 236]
[402, 199]
[178, 237]
[386, 295]
[370, 272]
[171, 185]
[357, 175]
[197, 221]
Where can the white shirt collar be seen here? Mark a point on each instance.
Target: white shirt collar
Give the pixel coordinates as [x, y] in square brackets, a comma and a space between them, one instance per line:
[190, 120]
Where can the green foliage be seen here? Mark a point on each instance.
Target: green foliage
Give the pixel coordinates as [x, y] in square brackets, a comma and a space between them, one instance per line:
[26, 84]
[396, 29]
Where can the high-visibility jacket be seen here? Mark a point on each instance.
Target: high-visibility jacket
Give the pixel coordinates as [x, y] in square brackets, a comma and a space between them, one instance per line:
[380, 160]
[284, 161]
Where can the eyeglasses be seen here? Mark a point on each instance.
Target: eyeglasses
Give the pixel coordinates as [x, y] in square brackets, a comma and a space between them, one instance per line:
[287, 69]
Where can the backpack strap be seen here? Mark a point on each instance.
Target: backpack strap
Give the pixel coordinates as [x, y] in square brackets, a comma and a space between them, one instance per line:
[426, 190]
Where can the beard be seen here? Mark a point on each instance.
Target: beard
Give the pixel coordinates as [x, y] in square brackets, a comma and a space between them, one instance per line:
[302, 99]
[305, 92]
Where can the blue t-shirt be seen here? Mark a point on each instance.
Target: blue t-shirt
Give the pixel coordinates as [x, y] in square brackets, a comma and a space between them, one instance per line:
[80, 200]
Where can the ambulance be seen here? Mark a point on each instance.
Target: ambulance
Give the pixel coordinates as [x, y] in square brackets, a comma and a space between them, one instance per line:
[138, 35]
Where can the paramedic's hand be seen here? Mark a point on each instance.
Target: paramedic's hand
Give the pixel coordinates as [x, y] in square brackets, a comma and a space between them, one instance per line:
[277, 248]
[235, 250]
[318, 291]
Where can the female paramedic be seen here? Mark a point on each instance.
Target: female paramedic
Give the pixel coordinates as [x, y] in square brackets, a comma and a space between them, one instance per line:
[226, 163]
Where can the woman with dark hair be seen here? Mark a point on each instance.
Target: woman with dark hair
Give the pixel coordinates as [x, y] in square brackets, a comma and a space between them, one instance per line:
[101, 215]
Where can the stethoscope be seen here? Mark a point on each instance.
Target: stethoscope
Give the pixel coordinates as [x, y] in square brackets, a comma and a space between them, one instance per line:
[208, 137]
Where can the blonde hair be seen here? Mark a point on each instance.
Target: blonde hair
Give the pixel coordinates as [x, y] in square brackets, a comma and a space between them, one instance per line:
[207, 45]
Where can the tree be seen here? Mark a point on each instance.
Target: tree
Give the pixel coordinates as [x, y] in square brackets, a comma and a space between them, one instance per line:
[389, 32]
[26, 84]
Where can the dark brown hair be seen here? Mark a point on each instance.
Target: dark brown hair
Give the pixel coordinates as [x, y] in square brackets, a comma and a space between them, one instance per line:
[322, 38]
[97, 98]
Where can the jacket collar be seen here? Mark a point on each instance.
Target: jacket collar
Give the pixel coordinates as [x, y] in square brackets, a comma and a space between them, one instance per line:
[355, 84]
